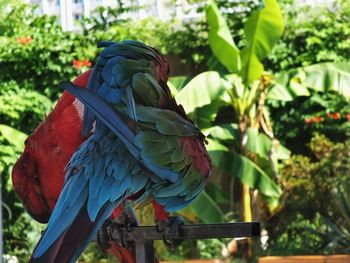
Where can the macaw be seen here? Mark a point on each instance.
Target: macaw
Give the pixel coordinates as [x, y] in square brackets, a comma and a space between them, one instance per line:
[142, 148]
[38, 174]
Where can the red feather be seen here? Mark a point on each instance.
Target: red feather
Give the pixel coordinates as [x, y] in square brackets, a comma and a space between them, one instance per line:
[38, 174]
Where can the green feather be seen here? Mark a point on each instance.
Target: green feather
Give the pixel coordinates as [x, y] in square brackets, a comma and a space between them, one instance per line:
[155, 85]
[196, 189]
[161, 160]
[152, 136]
[170, 191]
[177, 155]
[146, 91]
[177, 167]
[154, 148]
[147, 126]
[167, 122]
[190, 177]
[170, 123]
[126, 68]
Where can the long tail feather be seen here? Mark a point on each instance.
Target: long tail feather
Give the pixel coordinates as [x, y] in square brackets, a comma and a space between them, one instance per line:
[68, 247]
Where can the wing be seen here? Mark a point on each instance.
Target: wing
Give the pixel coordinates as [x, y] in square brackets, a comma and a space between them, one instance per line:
[129, 100]
[101, 174]
[167, 145]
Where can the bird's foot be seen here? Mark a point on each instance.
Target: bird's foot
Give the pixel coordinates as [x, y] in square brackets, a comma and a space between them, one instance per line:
[103, 235]
[112, 231]
[172, 230]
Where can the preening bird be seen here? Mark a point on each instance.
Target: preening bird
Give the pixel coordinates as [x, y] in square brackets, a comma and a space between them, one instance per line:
[143, 148]
[38, 174]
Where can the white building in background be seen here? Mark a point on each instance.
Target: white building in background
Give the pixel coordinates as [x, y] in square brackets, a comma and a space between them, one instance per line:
[70, 11]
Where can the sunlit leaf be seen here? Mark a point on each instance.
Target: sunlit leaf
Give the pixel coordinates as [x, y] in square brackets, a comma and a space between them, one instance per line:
[258, 142]
[224, 132]
[332, 76]
[328, 76]
[179, 82]
[262, 30]
[13, 136]
[245, 170]
[220, 39]
[202, 90]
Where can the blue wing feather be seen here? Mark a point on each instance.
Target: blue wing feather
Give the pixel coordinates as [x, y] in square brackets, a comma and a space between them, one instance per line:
[111, 119]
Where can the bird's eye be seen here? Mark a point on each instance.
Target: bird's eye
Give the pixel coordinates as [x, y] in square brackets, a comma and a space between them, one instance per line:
[26, 141]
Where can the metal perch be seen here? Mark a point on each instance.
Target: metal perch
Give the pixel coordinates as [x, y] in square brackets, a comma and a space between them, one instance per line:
[144, 236]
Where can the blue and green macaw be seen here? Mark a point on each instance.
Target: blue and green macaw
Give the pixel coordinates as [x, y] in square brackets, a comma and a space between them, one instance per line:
[143, 148]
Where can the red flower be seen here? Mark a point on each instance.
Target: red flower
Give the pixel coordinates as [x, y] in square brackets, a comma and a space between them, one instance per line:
[348, 116]
[79, 64]
[24, 40]
[336, 116]
[317, 119]
[86, 63]
[308, 120]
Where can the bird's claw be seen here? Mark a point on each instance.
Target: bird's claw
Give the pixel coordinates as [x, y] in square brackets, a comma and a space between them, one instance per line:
[119, 225]
[103, 235]
[130, 223]
[172, 230]
[112, 231]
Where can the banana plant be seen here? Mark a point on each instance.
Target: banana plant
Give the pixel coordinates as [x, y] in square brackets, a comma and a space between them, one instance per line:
[231, 110]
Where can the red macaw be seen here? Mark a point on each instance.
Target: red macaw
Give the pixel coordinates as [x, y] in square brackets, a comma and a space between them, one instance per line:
[143, 148]
[38, 174]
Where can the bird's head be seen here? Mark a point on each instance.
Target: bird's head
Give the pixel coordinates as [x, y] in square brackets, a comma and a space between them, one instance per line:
[161, 68]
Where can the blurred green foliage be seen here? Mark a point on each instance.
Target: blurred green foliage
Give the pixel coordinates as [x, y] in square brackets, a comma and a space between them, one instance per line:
[295, 121]
[19, 230]
[35, 50]
[313, 34]
[22, 106]
[310, 223]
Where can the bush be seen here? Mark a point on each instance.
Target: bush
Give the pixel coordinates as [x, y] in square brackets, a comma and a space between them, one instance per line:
[313, 34]
[35, 50]
[22, 107]
[295, 121]
[306, 225]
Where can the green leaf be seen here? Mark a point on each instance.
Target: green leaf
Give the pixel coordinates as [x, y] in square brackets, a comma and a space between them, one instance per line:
[207, 210]
[218, 195]
[262, 145]
[332, 76]
[341, 197]
[280, 152]
[226, 132]
[215, 146]
[289, 91]
[246, 171]
[204, 116]
[202, 90]
[221, 41]
[13, 136]
[262, 30]
[258, 142]
[178, 82]
[328, 76]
